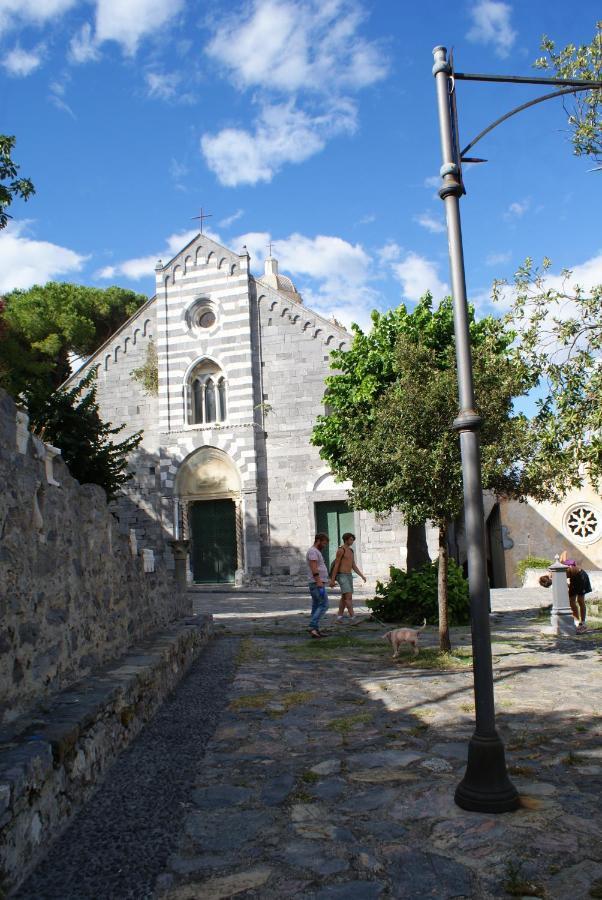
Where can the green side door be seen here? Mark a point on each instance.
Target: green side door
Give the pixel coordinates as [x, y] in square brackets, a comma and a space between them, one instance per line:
[334, 518]
[213, 533]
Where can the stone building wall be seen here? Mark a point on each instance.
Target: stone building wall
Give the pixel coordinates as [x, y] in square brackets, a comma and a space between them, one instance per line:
[295, 351]
[73, 591]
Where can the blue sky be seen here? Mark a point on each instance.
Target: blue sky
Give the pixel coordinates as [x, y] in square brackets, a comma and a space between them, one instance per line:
[308, 122]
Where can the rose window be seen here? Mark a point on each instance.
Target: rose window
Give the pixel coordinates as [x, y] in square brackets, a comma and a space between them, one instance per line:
[583, 523]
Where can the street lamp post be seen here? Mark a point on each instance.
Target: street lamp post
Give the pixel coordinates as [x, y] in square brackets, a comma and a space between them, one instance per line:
[485, 786]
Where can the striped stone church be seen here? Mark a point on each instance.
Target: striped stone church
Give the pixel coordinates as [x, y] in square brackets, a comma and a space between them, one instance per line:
[226, 460]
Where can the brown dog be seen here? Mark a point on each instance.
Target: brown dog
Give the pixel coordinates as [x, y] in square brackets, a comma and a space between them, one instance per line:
[400, 636]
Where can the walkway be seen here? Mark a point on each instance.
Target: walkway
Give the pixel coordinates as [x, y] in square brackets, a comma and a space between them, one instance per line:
[332, 770]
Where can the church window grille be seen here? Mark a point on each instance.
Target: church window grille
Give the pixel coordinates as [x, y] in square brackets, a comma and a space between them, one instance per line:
[210, 411]
[583, 523]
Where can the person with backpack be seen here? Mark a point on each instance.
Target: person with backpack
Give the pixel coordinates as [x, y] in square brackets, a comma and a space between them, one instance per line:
[342, 571]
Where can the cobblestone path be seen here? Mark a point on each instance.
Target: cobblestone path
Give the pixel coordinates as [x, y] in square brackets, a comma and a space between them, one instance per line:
[332, 771]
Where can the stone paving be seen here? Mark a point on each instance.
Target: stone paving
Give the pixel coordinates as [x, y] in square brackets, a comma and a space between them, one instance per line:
[332, 771]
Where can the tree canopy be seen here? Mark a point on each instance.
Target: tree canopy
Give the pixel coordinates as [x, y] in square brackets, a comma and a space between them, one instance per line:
[51, 321]
[11, 186]
[585, 112]
[396, 443]
[71, 420]
[559, 325]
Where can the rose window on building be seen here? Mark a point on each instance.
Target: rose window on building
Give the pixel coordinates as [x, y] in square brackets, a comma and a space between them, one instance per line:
[583, 523]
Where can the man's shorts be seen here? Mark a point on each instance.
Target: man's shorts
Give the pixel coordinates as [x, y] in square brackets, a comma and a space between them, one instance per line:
[345, 580]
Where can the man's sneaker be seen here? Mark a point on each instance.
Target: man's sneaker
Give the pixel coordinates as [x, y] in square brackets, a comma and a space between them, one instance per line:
[339, 620]
[581, 628]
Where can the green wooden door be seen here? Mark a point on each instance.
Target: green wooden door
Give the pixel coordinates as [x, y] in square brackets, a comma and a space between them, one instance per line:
[334, 518]
[213, 532]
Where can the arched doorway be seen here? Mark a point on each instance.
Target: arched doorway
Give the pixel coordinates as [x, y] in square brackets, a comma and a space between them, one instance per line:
[209, 490]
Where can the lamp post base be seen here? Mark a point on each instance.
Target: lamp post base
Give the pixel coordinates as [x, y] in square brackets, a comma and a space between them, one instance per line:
[486, 786]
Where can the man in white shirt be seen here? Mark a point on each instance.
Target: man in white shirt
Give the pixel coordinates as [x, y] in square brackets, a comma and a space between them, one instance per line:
[318, 576]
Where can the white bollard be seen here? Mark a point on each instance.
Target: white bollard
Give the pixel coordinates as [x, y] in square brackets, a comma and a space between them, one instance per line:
[561, 620]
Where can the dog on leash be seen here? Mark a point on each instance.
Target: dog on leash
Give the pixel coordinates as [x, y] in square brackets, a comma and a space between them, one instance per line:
[399, 636]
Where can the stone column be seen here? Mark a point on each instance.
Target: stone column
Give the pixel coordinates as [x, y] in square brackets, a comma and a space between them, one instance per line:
[561, 621]
[240, 545]
[180, 555]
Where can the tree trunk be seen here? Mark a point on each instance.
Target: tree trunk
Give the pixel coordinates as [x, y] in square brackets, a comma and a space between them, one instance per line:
[417, 547]
[444, 641]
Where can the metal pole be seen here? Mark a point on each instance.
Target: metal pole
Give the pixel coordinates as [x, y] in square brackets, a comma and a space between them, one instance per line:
[485, 786]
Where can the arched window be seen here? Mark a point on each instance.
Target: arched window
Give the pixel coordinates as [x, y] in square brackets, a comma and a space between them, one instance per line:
[197, 401]
[205, 394]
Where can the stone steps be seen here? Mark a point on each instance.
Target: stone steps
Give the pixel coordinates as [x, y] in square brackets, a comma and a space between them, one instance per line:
[52, 759]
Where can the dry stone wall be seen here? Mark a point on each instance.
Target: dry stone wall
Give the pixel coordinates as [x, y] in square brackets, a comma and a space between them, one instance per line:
[72, 593]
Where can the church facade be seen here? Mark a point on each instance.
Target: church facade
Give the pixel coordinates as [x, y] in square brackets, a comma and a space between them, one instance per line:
[226, 460]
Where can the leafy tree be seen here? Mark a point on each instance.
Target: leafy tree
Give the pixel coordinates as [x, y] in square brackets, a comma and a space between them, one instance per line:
[585, 114]
[400, 450]
[560, 338]
[11, 185]
[71, 420]
[54, 320]
[364, 373]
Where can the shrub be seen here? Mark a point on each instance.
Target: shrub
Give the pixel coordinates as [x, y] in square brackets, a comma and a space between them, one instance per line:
[412, 597]
[531, 562]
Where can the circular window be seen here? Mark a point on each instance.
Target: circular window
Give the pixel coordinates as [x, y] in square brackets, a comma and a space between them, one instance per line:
[206, 318]
[583, 523]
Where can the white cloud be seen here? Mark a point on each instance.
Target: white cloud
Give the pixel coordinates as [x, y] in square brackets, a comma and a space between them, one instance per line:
[16, 13]
[417, 275]
[332, 274]
[229, 220]
[162, 85]
[83, 47]
[517, 209]
[290, 46]
[283, 134]
[128, 22]
[433, 181]
[491, 25]
[19, 63]
[57, 95]
[496, 259]
[368, 219]
[389, 253]
[25, 261]
[431, 223]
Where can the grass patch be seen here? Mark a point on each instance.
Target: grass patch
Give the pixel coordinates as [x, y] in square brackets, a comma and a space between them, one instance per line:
[516, 885]
[348, 723]
[310, 777]
[431, 658]
[334, 645]
[249, 652]
[295, 698]
[570, 759]
[252, 701]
